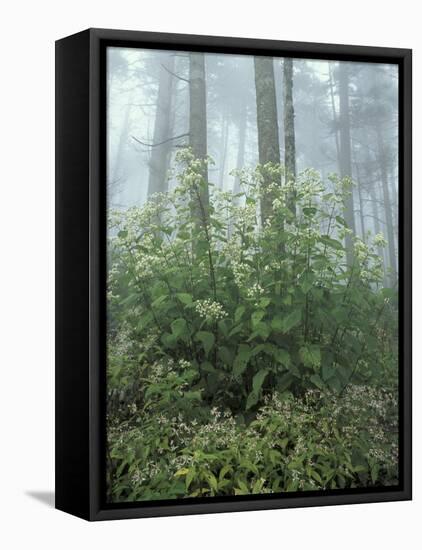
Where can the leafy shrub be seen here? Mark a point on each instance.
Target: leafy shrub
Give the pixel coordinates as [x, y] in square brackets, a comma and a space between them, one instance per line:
[276, 308]
[208, 310]
[315, 442]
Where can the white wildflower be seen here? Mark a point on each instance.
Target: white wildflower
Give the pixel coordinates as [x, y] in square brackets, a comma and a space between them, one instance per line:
[379, 240]
[210, 310]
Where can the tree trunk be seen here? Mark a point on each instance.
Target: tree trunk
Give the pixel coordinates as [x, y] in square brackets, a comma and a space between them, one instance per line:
[334, 112]
[116, 176]
[361, 212]
[360, 197]
[394, 202]
[266, 110]
[345, 154]
[240, 161]
[160, 154]
[382, 157]
[289, 129]
[223, 148]
[198, 125]
[377, 228]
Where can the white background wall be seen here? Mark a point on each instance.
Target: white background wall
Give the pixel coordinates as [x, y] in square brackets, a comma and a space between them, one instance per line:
[27, 37]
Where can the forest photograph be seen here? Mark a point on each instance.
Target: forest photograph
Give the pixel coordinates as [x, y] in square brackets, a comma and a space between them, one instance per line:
[252, 275]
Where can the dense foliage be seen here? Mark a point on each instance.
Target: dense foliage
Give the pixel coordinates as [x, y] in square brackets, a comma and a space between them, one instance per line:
[247, 359]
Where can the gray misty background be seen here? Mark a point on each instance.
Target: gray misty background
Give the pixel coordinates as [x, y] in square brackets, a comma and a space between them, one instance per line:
[345, 122]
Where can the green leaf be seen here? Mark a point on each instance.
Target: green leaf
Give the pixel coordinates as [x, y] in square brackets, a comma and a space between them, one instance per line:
[310, 355]
[130, 300]
[241, 360]
[295, 370]
[291, 320]
[223, 328]
[258, 380]
[207, 367]
[207, 339]
[389, 293]
[359, 468]
[238, 328]
[256, 350]
[240, 310]
[145, 320]
[285, 381]
[257, 486]
[212, 482]
[242, 490]
[250, 466]
[225, 355]
[184, 298]
[159, 300]
[309, 211]
[193, 395]
[256, 317]
[307, 281]
[335, 384]
[189, 477]
[277, 323]
[316, 380]
[327, 371]
[316, 476]
[251, 400]
[264, 302]
[262, 330]
[374, 473]
[224, 470]
[333, 243]
[169, 340]
[282, 356]
[287, 300]
[181, 472]
[179, 328]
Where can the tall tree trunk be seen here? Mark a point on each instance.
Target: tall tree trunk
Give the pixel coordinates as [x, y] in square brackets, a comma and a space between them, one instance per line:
[198, 126]
[289, 129]
[361, 212]
[394, 201]
[223, 148]
[334, 112]
[382, 158]
[240, 161]
[266, 110]
[115, 177]
[377, 228]
[360, 197]
[160, 154]
[345, 154]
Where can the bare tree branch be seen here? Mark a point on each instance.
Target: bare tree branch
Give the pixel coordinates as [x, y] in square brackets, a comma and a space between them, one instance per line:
[174, 74]
[159, 143]
[141, 104]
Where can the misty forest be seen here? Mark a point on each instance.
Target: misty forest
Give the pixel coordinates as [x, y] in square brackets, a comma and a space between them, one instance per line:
[252, 295]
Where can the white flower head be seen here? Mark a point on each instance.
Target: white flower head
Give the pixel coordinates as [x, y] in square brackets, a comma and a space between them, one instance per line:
[210, 310]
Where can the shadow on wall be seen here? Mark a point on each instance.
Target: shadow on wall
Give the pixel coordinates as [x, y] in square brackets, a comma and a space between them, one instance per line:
[45, 497]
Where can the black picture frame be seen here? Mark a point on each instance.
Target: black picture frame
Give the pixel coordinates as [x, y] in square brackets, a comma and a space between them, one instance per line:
[80, 271]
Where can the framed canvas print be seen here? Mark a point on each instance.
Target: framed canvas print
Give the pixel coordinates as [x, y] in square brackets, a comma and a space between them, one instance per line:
[233, 274]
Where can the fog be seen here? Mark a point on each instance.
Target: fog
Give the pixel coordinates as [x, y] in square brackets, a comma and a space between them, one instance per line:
[148, 105]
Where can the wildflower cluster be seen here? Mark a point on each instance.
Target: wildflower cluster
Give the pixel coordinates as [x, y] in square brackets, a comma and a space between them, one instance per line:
[379, 240]
[293, 444]
[210, 310]
[245, 355]
[361, 249]
[255, 291]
